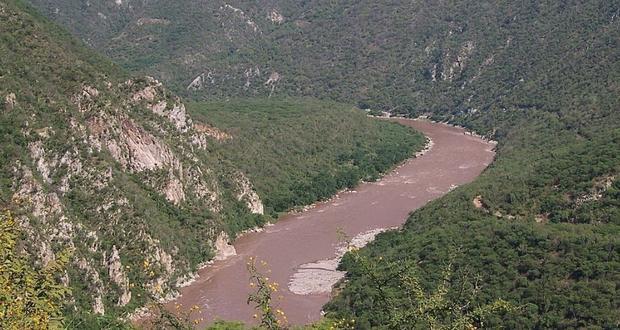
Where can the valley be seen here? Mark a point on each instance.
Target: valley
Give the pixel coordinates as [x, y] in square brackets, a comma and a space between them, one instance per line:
[139, 138]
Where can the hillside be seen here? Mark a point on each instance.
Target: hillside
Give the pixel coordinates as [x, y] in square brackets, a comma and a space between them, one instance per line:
[139, 189]
[106, 165]
[540, 229]
[300, 151]
[186, 44]
[407, 57]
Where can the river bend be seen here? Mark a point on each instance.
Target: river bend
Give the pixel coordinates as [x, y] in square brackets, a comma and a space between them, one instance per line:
[309, 240]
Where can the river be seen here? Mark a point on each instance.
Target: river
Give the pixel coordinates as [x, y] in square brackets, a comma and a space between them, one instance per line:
[305, 245]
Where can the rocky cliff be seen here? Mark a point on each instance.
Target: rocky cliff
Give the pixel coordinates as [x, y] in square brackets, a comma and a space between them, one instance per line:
[110, 167]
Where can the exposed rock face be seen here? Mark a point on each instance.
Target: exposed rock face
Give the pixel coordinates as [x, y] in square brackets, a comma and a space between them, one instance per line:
[212, 132]
[275, 17]
[10, 101]
[223, 248]
[599, 187]
[47, 209]
[241, 14]
[201, 80]
[542, 218]
[196, 84]
[154, 98]
[95, 283]
[478, 203]
[109, 169]
[246, 193]
[174, 189]
[178, 117]
[250, 74]
[159, 138]
[148, 93]
[273, 79]
[115, 271]
[152, 21]
[454, 67]
[84, 99]
[38, 154]
[98, 307]
[138, 150]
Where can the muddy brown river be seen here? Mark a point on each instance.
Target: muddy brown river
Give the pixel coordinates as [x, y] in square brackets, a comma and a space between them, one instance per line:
[302, 248]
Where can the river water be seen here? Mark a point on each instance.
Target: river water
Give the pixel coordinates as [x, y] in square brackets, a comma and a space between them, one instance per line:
[301, 243]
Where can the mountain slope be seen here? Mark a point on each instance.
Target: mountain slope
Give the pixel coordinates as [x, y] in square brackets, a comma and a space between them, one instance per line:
[179, 41]
[390, 55]
[105, 165]
[298, 151]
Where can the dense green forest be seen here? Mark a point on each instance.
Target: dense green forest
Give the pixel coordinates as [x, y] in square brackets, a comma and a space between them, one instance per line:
[547, 235]
[298, 151]
[442, 56]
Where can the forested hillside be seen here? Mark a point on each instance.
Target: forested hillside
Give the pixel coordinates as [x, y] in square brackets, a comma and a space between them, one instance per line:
[106, 166]
[114, 170]
[402, 56]
[541, 226]
[298, 151]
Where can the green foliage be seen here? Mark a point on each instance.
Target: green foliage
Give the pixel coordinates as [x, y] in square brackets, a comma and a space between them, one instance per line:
[88, 321]
[563, 274]
[298, 151]
[327, 323]
[397, 297]
[30, 298]
[545, 239]
[399, 56]
[222, 325]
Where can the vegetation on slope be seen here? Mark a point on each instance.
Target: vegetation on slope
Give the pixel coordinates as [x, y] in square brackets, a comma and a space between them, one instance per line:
[298, 151]
[32, 298]
[67, 190]
[544, 236]
[401, 56]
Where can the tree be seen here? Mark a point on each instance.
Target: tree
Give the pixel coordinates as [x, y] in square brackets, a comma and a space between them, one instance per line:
[398, 299]
[29, 298]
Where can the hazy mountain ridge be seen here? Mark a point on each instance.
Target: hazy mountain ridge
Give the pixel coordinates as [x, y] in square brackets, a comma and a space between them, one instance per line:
[432, 56]
[177, 40]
